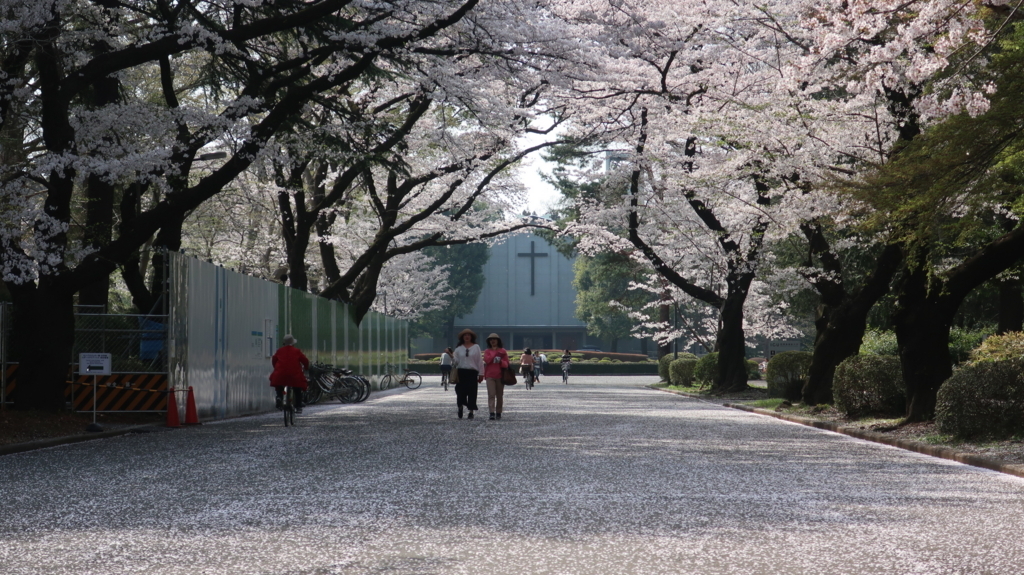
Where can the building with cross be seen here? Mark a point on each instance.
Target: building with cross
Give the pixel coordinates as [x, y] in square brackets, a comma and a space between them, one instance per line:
[528, 297]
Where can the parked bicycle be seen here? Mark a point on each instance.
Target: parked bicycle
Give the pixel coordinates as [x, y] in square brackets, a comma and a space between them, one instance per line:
[328, 381]
[410, 379]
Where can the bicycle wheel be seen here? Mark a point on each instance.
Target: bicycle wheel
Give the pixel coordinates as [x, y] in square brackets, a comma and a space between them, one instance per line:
[385, 382]
[348, 391]
[312, 395]
[413, 380]
[366, 388]
[289, 408]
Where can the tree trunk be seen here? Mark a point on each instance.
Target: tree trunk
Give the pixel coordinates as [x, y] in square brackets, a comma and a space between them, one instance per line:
[44, 333]
[922, 323]
[1011, 306]
[842, 317]
[840, 333]
[731, 344]
[664, 317]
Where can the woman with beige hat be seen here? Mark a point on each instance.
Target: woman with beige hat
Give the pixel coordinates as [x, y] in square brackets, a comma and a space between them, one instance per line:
[495, 360]
[469, 370]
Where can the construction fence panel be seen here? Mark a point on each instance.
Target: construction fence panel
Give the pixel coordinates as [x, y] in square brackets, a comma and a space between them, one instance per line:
[225, 326]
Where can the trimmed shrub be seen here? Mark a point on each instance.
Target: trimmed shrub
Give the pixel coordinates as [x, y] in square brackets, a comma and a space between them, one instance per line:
[984, 399]
[870, 385]
[706, 370]
[1009, 345]
[664, 369]
[681, 370]
[787, 373]
[753, 371]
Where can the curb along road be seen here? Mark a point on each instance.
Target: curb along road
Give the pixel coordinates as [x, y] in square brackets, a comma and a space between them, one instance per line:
[909, 445]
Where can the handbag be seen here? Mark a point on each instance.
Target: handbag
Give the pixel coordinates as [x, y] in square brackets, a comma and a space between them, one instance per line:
[508, 377]
[453, 377]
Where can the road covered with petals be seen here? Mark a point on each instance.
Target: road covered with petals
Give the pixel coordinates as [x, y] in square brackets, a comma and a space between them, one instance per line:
[599, 477]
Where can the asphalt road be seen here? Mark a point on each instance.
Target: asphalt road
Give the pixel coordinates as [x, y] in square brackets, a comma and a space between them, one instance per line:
[599, 477]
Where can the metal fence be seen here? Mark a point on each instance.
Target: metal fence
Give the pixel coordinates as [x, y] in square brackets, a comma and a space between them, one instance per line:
[137, 343]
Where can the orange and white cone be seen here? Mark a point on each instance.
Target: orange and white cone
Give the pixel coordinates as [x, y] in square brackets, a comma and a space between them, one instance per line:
[191, 417]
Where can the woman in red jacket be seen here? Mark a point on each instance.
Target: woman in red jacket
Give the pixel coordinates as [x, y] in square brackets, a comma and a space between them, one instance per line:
[289, 364]
[495, 360]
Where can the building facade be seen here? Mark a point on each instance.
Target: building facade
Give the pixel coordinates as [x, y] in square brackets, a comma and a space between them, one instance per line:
[528, 297]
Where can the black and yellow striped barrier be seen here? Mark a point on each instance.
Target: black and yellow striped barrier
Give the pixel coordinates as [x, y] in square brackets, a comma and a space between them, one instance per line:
[116, 392]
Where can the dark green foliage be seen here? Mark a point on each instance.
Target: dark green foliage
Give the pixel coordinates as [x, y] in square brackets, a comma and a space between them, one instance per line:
[706, 371]
[681, 370]
[787, 374]
[870, 385]
[663, 368]
[603, 297]
[985, 399]
[466, 269]
[962, 342]
[878, 342]
[753, 371]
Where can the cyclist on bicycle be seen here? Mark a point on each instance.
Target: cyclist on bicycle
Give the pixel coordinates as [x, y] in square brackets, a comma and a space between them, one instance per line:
[446, 364]
[289, 364]
[566, 363]
[526, 365]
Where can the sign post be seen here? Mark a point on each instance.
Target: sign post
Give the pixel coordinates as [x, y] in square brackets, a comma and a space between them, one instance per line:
[94, 364]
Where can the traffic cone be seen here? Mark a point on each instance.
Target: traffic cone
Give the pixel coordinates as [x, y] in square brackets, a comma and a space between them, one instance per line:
[172, 410]
[191, 417]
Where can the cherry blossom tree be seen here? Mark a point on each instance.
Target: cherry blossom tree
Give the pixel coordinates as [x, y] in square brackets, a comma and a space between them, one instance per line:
[106, 106]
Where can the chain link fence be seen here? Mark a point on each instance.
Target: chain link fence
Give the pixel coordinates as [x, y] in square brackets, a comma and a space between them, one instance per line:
[137, 343]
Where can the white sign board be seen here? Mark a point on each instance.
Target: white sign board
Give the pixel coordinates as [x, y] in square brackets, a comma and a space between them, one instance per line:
[94, 364]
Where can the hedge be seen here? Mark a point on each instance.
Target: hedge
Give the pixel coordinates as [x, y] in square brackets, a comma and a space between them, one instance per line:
[706, 371]
[681, 371]
[596, 368]
[787, 373]
[984, 399]
[870, 385]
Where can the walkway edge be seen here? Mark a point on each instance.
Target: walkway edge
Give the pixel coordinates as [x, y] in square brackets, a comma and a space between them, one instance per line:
[68, 439]
[1016, 470]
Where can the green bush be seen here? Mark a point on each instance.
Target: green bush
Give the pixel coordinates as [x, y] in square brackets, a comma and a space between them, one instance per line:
[878, 343]
[664, 364]
[962, 342]
[1000, 347]
[681, 371]
[753, 371]
[984, 399]
[706, 370]
[870, 385]
[787, 373]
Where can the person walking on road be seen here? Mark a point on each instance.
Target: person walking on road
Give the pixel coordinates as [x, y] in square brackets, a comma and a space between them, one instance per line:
[469, 366]
[289, 363]
[446, 365]
[540, 365]
[495, 359]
